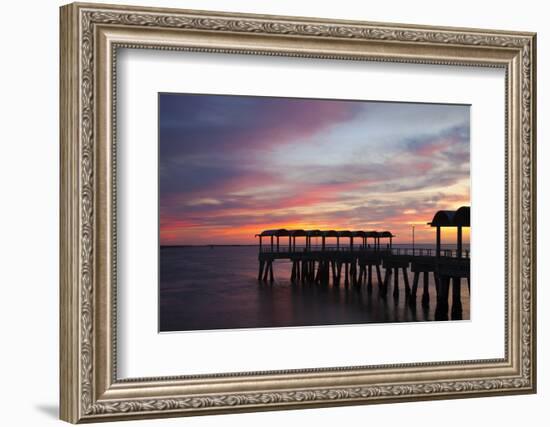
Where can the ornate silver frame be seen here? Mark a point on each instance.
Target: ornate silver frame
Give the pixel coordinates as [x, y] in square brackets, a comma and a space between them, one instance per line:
[90, 36]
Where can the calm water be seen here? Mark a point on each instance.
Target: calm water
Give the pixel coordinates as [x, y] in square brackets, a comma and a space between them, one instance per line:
[216, 288]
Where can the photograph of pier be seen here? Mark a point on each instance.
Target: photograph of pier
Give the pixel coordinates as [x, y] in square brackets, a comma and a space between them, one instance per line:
[287, 212]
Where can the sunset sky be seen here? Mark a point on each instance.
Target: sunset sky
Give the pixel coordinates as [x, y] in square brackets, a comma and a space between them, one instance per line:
[232, 166]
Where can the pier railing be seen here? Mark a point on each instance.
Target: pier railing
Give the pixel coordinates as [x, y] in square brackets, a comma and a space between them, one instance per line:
[449, 253]
[412, 252]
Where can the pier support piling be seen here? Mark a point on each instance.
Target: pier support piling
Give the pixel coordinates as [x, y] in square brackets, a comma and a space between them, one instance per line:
[442, 307]
[261, 270]
[406, 280]
[416, 278]
[378, 275]
[396, 283]
[387, 279]
[426, 290]
[369, 277]
[456, 308]
[293, 273]
[346, 274]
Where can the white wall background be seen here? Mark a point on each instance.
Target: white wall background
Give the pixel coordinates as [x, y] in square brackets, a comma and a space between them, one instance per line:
[29, 171]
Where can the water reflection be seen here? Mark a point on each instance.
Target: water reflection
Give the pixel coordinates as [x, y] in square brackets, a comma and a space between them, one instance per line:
[217, 288]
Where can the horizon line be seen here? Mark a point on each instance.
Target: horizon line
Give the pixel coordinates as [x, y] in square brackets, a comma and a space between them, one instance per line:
[257, 244]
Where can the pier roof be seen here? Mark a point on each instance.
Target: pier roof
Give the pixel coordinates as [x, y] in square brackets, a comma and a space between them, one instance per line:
[462, 216]
[458, 218]
[278, 232]
[282, 232]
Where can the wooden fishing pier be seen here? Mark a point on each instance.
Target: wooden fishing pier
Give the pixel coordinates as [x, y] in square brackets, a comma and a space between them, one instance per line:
[350, 258]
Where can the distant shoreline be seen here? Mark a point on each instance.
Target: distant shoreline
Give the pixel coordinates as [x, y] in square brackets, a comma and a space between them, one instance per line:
[418, 245]
[207, 246]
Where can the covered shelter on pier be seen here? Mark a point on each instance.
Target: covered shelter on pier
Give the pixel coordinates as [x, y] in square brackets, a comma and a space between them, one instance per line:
[274, 236]
[447, 218]
[457, 219]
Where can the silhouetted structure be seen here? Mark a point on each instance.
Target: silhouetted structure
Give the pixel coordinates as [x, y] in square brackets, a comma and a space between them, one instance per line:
[454, 271]
[352, 250]
[357, 253]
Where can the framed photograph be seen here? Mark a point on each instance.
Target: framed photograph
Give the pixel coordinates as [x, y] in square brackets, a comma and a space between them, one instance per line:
[265, 212]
